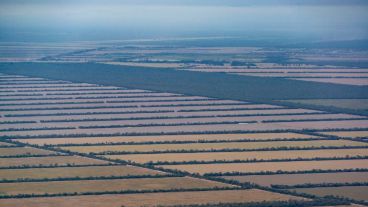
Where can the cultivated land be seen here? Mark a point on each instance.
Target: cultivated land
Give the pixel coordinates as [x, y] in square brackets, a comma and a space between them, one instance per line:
[213, 146]
[297, 179]
[271, 166]
[72, 140]
[152, 199]
[24, 151]
[49, 160]
[72, 172]
[141, 184]
[360, 104]
[352, 192]
[347, 134]
[229, 156]
[168, 138]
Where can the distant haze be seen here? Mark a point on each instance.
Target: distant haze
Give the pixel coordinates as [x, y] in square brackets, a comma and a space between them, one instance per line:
[77, 20]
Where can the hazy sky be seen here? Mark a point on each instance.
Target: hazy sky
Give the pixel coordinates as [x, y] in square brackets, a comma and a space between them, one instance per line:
[47, 20]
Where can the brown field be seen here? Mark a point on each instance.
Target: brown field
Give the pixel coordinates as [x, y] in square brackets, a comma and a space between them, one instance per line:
[83, 103]
[153, 199]
[352, 192]
[2, 144]
[109, 107]
[213, 146]
[354, 104]
[151, 65]
[179, 121]
[219, 128]
[51, 160]
[307, 75]
[291, 71]
[48, 85]
[170, 138]
[24, 151]
[271, 166]
[346, 81]
[296, 179]
[55, 187]
[273, 110]
[69, 172]
[253, 155]
[172, 114]
[348, 134]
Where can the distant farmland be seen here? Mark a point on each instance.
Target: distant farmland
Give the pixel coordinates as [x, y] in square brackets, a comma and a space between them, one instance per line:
[75, 143]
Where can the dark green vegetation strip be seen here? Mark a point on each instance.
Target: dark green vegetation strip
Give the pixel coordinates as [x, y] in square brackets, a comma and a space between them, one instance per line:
[217, 85]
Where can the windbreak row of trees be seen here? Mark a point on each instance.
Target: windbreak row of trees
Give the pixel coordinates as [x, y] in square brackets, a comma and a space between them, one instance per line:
[253, 160]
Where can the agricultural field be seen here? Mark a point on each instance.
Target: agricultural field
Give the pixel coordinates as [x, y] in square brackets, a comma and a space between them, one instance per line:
[302, 178]
[352, 192]
[271, 167]
[65, 142]
[128, 103]
[152, 199]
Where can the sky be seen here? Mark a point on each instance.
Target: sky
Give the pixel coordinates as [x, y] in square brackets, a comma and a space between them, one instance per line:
[78, 20]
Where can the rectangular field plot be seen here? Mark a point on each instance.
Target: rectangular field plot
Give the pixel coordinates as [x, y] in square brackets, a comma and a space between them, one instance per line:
[56, 187]
[195, 128]
[154, 199]
[168, 138]
[208, 109]
[5, 144]
[70, 172]
[170, 121]
[345, 81]
[24, 151]
[347, 134]
[360, 104]
[297, 179]
[229, 156]
[353, 192]
[213, 146]
[97, 103]
[271, 166]
[47, 161]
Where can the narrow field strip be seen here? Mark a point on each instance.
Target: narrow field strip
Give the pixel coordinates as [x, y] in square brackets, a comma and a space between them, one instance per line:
[168, 138]
[347, 134]
[249, 156]
[48, 161]
[303, 178]
[289, 166]
[81, 186]
[16, 151]
[217, 128]
[213, 146]
[150, 199]
[358, 193]
[75, 172]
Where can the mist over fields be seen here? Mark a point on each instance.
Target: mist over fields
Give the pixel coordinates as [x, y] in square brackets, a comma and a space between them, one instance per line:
[298, 21]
